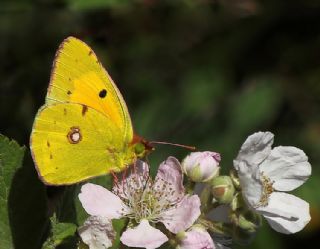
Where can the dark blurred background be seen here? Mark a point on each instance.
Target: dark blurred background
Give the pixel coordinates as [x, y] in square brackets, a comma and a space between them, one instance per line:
[198, 72]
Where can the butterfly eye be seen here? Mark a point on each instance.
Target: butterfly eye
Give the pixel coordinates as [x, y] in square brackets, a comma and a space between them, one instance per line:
[139, 148]
[103, 93]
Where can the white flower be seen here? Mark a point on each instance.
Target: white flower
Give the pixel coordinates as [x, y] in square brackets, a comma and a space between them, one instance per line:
[145, 202]
[201, 166]
[264, 174]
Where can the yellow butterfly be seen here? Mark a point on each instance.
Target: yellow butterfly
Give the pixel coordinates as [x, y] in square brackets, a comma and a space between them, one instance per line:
[84, 129]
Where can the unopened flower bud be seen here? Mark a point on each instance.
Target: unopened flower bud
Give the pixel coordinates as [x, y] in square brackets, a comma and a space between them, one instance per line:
[201, 166]
[222, 189]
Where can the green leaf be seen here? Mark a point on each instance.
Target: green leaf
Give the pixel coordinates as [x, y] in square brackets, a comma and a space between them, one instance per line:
[69, 208]
[11, 155]
[118, 226]
[22, 199]
[62, 232]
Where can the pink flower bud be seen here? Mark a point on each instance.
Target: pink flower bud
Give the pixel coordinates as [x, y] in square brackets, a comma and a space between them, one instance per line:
[201, 166]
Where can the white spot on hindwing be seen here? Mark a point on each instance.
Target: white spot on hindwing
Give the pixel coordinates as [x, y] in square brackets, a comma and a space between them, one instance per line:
[74, 135]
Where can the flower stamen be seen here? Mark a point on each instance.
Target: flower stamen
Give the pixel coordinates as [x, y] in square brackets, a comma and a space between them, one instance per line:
[147, 199]
[267, 189]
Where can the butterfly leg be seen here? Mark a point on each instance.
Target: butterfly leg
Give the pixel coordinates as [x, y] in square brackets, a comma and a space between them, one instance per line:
[124, 182]
[115, 178]
[124, 175]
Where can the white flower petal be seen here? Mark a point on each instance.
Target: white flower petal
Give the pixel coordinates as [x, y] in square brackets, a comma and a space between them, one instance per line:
[97, 200]
[250, 182]
[144, 236]
[287, 166]
[183, 216]
[197, 239]
[170, 175]
[255, 149]
[97, 232]
[286, 213]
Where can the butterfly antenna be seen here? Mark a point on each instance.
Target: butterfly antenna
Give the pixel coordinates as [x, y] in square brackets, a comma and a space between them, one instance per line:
[177, 145]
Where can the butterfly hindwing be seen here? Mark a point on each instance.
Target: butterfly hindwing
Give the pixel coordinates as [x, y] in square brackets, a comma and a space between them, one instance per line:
[73, 142]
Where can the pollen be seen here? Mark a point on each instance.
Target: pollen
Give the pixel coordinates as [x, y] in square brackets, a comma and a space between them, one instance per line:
[267, 190]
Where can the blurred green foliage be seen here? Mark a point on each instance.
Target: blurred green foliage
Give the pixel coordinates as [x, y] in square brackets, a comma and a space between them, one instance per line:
[199, 72]
[11, 156]
[23, 222]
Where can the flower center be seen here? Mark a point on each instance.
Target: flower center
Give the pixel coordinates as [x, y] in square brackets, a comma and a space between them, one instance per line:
[267, 189]
[147, 199]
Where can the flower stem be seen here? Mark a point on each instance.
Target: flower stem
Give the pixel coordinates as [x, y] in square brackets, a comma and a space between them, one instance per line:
[216, 227]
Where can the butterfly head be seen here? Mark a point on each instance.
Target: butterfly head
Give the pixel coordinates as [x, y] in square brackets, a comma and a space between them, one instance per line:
[141, 147]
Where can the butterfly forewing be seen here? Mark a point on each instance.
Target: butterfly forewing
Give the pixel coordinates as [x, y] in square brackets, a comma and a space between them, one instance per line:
[79, 77]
